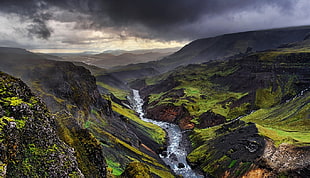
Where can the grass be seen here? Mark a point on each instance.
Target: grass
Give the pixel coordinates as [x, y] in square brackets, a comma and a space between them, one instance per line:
[121, 94]
[115, 166]
[272, 55]
[148, 159]
[285, 123]
[280, 136]
[266, 98]
[201, 95]
[232, 163]
[207, 88]
[152, 130]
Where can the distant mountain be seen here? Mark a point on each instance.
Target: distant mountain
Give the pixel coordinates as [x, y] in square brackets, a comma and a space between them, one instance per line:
[225, 46]
[85, 53]
[219, 47]
[108, 60]
[142, 51]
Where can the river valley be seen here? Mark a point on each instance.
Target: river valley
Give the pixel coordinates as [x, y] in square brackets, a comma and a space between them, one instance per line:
[176, 152]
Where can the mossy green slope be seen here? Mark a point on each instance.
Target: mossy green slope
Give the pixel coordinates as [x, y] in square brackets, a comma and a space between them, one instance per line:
[125, 147]
[288, 122]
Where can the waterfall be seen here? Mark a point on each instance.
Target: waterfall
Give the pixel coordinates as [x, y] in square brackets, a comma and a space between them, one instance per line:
[176, 154]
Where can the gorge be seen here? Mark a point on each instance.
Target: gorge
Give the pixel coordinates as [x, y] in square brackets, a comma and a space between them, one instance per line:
[175, 154]
[81, 116]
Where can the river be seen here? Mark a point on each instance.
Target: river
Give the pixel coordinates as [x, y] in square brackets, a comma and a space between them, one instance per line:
[176, 153]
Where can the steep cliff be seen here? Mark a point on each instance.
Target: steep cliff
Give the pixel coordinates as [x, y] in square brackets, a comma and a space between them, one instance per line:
[29, 143]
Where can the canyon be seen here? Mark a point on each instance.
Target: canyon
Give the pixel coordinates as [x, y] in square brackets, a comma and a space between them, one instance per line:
[235, 105]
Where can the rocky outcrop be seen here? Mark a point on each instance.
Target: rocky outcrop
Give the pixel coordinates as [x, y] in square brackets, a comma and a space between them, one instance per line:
[287, 159]
[209, 119]
[171, 113]
[235, 149]
[162, 86]
[29, 144]
[136, 170]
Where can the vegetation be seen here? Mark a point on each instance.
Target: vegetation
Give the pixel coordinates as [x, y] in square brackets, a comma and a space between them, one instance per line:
[152, 131]
[285, 123]
[200, 93]
[263, 88]
[27, 131]
[121, 94]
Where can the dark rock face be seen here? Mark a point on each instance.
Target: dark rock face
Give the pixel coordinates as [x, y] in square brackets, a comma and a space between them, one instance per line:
[72, 83]
[167, 113]
[28, 141]
[255, 72]
[163, 86]
[209, 119]
[181, 165]
[172, 114]
[236, 148]
[243, 144]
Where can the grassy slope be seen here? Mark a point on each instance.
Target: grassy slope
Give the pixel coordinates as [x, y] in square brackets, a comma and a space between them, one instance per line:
[119, 93]
[119, 153]
[201, 94]
[288, 122]
[153, 131]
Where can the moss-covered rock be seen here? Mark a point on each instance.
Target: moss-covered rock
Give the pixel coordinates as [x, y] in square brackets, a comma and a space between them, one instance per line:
[29, 144]
[137, 170]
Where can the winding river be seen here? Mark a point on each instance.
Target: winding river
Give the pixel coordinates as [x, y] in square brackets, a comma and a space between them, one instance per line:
[176, 154]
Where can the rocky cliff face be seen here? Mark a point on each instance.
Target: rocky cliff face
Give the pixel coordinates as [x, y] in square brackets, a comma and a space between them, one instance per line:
[29, 144]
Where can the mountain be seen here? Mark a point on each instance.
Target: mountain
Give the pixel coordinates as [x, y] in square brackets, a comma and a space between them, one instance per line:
[203, 50]
[109, 60]
[100, 127]
[224, 46]
[143, 51]
[247, 115]
[220, 47]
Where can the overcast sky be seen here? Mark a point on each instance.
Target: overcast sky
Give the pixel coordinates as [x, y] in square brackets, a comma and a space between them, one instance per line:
[98, 25]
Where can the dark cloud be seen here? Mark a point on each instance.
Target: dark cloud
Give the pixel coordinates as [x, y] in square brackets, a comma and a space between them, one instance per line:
[162, 19]
[39, 27]
[30, 10]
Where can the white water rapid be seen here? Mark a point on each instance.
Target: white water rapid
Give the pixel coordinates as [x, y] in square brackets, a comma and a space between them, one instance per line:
[176, 155]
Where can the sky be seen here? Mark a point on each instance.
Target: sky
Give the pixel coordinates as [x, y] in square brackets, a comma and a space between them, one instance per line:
[62, 26]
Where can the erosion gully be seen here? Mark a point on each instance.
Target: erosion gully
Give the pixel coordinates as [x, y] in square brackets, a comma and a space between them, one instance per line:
[176, 153]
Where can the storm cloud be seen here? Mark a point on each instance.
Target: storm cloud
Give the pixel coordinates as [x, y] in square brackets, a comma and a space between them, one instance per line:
[159, 19]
